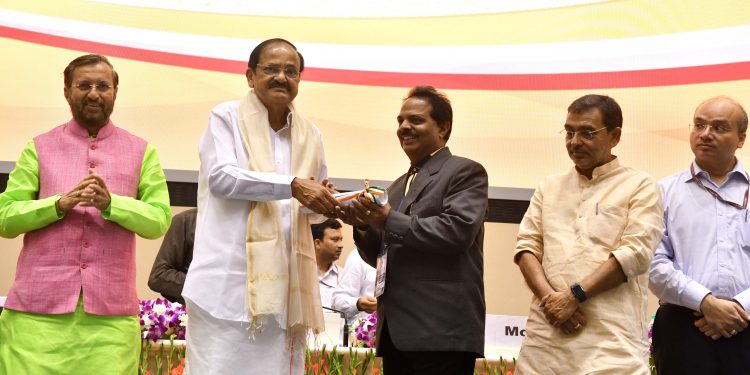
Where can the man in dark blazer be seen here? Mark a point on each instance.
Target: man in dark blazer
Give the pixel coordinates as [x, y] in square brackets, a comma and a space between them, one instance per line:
[173, 259]
[427, 245]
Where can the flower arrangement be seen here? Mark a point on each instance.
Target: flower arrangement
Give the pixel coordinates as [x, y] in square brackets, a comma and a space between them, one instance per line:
[364, 331]
[161, 361]
[502, 368]
[333, 362]
[160, 319]
[651, 364]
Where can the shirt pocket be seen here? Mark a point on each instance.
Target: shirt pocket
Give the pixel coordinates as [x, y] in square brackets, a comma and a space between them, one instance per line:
[743, 229]
[606, 224]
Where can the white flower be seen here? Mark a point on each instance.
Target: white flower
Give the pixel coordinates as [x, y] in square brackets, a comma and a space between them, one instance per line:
[160, 309]
[183, 320]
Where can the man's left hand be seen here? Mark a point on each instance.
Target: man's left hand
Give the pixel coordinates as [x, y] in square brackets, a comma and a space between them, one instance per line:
[575, 324]
[721, 318]
[370, 213]
[367, 304]
[96, 194]
[558, 307]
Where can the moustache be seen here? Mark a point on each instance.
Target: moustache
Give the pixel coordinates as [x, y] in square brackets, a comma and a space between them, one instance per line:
[407, 134]
[281, 85]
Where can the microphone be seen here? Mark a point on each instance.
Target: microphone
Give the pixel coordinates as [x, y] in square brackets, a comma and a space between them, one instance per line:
[346, 325]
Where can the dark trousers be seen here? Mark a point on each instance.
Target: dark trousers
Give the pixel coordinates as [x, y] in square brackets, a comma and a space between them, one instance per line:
[680, 348]
[397, 362]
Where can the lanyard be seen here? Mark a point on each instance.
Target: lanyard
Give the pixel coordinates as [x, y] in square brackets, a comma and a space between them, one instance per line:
[718, 196]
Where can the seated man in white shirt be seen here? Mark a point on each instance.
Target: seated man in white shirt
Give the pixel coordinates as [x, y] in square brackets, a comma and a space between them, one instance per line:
[355, 293]
[328, 242]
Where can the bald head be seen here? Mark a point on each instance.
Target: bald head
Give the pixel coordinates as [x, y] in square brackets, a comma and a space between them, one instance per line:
[732, 108]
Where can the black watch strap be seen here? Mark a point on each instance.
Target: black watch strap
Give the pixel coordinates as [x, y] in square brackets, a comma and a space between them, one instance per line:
[578, 292]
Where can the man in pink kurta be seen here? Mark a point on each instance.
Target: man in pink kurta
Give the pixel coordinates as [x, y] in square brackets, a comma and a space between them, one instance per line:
[80, 193]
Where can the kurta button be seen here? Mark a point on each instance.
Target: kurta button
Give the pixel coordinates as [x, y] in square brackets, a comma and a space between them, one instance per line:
[86, 244]
[84, 266]
[93, 147]
[92, 165]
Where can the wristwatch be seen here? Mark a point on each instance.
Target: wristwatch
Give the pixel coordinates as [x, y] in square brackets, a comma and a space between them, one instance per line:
[578, 292]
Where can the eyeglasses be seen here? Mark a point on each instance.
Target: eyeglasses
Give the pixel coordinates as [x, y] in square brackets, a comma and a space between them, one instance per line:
[101, 87]
[273, 70]
[716, 129]
[585, 134]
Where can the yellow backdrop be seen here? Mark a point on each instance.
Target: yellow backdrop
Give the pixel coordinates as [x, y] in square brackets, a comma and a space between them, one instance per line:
[510, 68]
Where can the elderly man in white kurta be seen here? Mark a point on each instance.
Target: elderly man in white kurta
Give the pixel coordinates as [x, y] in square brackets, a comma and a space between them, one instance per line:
[252, 288]
[584, 247]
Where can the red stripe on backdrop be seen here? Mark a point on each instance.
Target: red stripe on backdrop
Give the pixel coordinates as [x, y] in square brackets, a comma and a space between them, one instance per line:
[549, 81]
[111, 50]
[554, 81]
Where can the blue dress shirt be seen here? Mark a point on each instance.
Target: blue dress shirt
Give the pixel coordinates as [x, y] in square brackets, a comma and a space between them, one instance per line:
[706, 243]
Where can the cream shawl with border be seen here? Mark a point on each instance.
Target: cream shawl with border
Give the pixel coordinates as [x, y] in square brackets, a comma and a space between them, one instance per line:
[272, 273]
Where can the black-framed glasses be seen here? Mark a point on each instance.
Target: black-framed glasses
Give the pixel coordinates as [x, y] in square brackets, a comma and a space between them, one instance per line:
[101, 87]
[585, 134]
[699, 127]
[290, 71]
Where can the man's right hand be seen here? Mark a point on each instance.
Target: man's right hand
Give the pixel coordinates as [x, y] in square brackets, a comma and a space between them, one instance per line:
[348, 215]
[367, 304]
[72, 198]
[315, 196]
[721, 318]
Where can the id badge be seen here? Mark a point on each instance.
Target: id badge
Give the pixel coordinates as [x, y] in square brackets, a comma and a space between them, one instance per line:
[380, 278]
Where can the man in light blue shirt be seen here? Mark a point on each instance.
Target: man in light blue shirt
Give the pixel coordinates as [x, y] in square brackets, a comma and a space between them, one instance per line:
[701, 268]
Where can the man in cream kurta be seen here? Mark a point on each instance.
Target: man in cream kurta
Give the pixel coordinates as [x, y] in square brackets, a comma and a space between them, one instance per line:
[584, 247]
[249, 311]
